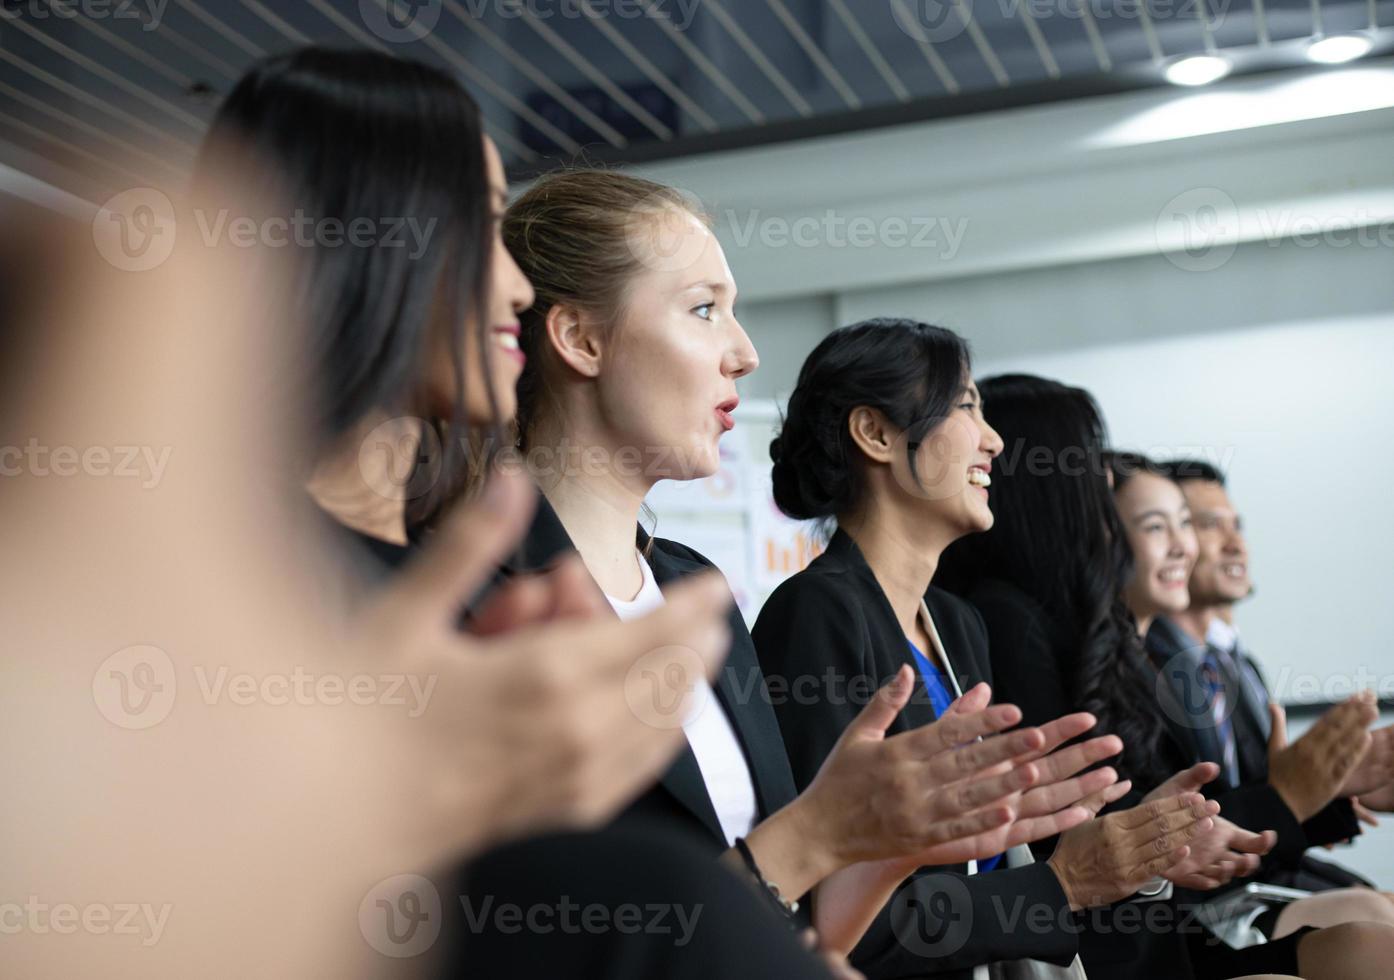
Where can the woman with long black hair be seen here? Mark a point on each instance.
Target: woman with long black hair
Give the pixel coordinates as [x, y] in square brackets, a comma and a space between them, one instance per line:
[884, 437]
[1049, 580]
[409, 346]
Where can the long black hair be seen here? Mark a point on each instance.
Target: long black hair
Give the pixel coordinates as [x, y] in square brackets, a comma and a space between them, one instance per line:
[1057, 537]
[344, 135]
[909, 371]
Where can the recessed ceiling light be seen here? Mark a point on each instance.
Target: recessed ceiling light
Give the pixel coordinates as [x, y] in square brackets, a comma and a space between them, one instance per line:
[1200, 69]
[1339, 48]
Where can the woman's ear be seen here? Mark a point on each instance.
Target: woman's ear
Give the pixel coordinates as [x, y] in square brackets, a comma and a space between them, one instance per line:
[572, 336]
[872, 433]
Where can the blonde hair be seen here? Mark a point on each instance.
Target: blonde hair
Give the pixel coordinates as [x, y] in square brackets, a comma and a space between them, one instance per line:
[581, 236]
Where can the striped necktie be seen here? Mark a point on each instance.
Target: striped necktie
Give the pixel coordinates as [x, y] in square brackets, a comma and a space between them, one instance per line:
[1219, 715]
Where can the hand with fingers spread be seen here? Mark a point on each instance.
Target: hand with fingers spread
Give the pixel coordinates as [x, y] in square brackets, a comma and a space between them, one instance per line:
[1376, 770]
[1110, 858]
[1220, 855]
[1310, 773]
[922, 792]
[937, 793]
[1063, 797]
[1226, 852]
[537, 727]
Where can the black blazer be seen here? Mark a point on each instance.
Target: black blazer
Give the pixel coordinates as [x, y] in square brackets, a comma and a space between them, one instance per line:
[827, 640]
[680, 797]
[1166, 642]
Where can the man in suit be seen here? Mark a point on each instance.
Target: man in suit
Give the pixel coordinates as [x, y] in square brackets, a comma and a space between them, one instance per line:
[1215, 679]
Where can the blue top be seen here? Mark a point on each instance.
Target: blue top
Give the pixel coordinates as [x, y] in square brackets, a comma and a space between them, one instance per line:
[941, 696]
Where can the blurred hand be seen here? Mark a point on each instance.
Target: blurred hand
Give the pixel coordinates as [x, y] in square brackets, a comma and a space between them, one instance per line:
[1309, 773]
[531, 728]
[1376, 769]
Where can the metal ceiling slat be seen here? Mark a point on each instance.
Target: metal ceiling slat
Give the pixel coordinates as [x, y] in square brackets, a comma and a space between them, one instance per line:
[199, 52]
[284, 29]
[463, 65]
[815, 54]
[1202, 17]
[537, 77]
[42, 134]
[349, 27]
[597, 78]
[1261, 23]
[979, 39]
[68, 119]
[501, 137]
[509, 142]
[1033, 30]
[704, 64]
[1096, 40]
[1318, 27]
[1149, 32]
[753, 51]
[82, 95]
[133, 52]
[650, 70]
[872, 52]
[223, 30]
[936, 63]
[82, 61]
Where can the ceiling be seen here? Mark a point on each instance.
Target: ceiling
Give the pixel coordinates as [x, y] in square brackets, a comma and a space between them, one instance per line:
[101, 95]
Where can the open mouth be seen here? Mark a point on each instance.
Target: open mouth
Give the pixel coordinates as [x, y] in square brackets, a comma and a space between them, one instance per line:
[979, 478]
[507, 338]
[723, 413]
[1235, 569]
[1172, 576]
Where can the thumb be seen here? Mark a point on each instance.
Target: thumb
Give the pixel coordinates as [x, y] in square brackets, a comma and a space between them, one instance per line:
[882, 709]
[1246, 842]
[1192, 779]
[1278, 739]
[468, 547]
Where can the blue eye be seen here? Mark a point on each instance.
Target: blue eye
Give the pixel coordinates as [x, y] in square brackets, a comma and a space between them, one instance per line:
[705, 306]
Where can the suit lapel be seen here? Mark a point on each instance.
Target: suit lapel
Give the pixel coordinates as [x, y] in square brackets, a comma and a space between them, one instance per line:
[740, 687]
[545, 543]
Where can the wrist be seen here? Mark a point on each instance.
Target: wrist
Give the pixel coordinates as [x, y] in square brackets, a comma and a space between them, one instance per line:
[1057, 866]
[1291, 799]
[793, 849]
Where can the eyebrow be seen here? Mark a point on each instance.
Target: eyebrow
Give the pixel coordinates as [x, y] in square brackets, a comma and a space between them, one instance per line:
[715, 286]
[1147, 514]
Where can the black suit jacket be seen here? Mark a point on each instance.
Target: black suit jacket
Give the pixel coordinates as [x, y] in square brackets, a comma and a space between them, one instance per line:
[680, 797]
[1171, 651]
[827, 640]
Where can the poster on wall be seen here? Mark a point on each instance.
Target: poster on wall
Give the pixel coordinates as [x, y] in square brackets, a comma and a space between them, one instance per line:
[730, 517]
